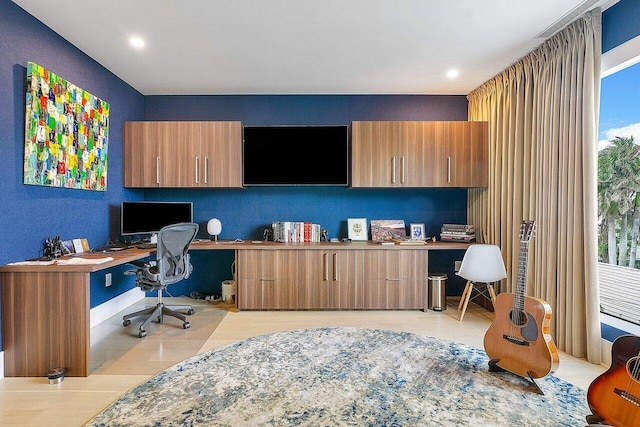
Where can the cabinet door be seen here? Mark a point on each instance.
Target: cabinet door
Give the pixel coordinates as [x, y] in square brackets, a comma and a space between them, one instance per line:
[419, 147]
[267, 279]
[332, 279]
[466, 154]
[249, 286]
[179, 151]
[375, 161]
[395, 279]
[220, 161]
[140, 155]
[346, 277]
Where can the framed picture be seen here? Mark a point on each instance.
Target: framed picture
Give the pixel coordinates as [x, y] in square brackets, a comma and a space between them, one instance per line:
[383, 230]
[417, 231]
[357, 229]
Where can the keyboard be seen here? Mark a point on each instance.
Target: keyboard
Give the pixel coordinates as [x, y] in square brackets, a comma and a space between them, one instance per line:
[110, 248]
[145, 246]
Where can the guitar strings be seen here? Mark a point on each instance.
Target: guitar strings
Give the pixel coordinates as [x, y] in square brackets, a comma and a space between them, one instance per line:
[633, 369]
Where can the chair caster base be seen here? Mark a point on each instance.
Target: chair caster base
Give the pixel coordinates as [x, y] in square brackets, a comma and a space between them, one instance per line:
[126, 322]
[186, 325]
[142, 333]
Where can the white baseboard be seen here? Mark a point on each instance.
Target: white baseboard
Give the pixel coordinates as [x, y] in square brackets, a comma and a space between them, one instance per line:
[114, 306]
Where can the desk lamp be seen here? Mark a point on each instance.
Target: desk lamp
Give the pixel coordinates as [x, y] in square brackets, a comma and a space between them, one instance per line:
[214, 227]
[481, 264]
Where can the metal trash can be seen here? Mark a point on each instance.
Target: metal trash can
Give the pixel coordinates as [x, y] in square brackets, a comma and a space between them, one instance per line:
[437, 292]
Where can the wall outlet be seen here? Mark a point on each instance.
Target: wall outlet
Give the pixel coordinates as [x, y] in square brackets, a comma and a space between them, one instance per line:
[457, 265]
[107, 280]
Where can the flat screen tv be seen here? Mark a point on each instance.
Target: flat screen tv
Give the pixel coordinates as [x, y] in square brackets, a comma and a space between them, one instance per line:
[138, 217]
[295, 155]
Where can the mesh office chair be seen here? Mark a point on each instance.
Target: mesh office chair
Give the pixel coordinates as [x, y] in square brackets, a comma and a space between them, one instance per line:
[172, 265]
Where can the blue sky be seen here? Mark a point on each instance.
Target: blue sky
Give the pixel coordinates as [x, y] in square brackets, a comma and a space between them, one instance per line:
[620, 105]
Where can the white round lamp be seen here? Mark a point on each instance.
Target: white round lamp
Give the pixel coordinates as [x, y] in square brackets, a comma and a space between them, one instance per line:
[214, 227]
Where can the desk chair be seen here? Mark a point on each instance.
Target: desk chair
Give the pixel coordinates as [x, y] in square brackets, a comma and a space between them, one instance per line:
[172, 265]
[481, 264]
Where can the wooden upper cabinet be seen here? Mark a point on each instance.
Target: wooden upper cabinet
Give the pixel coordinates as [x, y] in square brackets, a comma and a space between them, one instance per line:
[466, 152]
[374, 161]
[221, 151]
[419, 154]
[182, 154]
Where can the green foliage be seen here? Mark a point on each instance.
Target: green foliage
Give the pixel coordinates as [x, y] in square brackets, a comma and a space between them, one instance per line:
[618, 199]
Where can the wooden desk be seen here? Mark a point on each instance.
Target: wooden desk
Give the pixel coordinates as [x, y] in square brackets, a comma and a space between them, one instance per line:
[46, 309]
[330, 276]
[46, 315]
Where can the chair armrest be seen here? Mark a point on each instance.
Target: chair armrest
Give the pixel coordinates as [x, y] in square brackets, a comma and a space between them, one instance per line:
[142, 264]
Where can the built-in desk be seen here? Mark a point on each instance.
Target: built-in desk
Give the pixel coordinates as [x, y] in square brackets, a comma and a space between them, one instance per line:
[46, 315]
[330, 276]
[46, 308]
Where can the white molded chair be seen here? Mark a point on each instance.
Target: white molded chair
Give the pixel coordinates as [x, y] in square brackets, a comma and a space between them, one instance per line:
[482, 263]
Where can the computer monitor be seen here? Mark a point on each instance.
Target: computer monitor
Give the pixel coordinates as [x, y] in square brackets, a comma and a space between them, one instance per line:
[139, 218]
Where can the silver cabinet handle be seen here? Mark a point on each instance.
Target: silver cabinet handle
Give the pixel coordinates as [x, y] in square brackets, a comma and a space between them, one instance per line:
[325, 266]
[206, 170]
[197, 169]
[449, 169]
[335, 267]
[157, 170]
[393, 170]
[402, 168]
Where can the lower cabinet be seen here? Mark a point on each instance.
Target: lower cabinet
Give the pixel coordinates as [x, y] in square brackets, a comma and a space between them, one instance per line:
[321, 279]
[395, 279]
[331, 279]
[267, 280]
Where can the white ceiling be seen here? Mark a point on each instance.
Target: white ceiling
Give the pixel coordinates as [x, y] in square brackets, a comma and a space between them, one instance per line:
[306, 47]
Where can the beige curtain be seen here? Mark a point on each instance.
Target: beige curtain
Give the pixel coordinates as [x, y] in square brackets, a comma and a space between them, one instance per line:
[543, 115]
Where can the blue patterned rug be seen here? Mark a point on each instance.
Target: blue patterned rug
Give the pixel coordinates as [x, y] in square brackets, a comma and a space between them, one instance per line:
[344, 377]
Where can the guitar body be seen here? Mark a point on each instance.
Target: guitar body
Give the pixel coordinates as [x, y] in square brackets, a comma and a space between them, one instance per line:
[519, 340]
[614, 396]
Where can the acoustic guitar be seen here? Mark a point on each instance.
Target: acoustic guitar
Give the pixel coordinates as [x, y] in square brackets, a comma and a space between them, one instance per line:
[519, 339]
[614, 396]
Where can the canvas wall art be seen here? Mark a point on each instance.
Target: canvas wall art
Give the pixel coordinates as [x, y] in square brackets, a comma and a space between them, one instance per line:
[66, 133]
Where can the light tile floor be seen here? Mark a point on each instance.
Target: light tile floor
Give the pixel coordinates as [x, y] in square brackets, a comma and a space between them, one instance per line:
[120, 360]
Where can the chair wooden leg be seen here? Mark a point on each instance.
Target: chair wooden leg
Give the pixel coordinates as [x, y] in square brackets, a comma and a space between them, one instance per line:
[464, 294]
[492, 293]
[466, 299]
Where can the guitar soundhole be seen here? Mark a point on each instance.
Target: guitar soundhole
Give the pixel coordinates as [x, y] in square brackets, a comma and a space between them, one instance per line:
[633, 366]
[518, 317]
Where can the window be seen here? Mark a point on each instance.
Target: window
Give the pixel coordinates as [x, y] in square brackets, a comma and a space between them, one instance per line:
[619, 189]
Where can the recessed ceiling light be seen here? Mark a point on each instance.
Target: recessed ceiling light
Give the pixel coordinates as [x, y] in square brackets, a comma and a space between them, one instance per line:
[452, 74]
[136, 42]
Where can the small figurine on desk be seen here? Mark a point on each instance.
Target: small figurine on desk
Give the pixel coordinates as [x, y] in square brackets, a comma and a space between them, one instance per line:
[52, 248]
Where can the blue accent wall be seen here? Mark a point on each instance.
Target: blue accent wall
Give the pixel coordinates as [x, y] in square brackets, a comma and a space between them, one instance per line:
[620, 24]
[31, 214]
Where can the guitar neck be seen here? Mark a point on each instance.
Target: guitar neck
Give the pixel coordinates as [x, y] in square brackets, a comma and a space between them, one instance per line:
[521, 279]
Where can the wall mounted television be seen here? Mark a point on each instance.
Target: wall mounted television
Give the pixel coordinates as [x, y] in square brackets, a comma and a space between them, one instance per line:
[137, 217]
[295, 155]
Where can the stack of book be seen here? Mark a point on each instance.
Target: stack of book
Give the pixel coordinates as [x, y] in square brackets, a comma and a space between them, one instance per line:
[295, 232]
[458, 233]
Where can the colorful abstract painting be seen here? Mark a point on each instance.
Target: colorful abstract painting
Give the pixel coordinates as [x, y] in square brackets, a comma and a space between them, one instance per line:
[66, 133]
